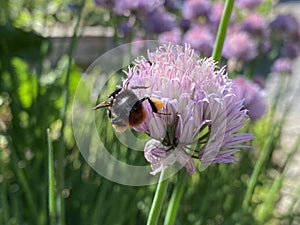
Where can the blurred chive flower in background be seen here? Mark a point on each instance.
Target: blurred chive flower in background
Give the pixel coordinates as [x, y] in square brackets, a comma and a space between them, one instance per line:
[251, 33]
[202, 111]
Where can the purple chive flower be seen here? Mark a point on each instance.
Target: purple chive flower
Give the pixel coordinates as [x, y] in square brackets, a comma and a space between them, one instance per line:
[253, 97]
[285, 24]
[184, 24]
[283, 66]
[125, 28]
[201, 39]
[194, 8]
[239, 45]
[255, 24]
[173, 36]
[125, 7]
[149, 6]
[290, 50]
[159, 21]
[201, 113]
[249, 4]
[217, 9]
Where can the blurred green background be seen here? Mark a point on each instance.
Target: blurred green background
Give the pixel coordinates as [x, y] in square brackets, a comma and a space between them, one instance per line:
[36, 93]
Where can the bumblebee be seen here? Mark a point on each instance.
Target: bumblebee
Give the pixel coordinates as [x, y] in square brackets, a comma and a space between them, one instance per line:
[126, 109]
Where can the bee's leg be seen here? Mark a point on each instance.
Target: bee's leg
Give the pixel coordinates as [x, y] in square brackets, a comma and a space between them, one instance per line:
[109, 114]
[138, 87]
[152, 104]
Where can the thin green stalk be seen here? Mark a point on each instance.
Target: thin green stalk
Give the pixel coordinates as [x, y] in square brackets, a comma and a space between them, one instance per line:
[62, 151]
[51, 182]
[217, 52]
[269, 203]
[258, 166]
[23, 181]
[292, 205]
[175, 199]
[273, 194]
[158, 199]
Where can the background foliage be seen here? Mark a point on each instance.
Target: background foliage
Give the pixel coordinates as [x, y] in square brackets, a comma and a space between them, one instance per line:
[36, 96]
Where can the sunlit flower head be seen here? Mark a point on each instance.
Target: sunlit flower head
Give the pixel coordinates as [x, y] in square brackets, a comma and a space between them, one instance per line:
[201, 39]
[282, 66]
[239, 45]
[253, 97]
[201, 113]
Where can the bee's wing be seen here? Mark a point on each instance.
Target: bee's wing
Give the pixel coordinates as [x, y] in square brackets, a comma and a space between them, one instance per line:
[103, 104]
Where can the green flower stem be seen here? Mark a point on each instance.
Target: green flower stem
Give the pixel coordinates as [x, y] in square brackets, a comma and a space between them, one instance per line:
[217, 53]
[175, 199]
[51, 182]
[158, 199]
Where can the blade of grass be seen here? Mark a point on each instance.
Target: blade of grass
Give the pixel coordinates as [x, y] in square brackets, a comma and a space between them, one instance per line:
[23, 181]
[51, 182]
[258, 166]
[158, 199]
[4, 194]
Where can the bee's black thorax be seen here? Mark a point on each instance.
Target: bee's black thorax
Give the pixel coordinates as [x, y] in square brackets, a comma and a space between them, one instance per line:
[124, 103]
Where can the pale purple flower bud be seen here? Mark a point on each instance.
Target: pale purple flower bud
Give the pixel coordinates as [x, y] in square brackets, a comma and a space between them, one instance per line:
[250, 4]
[282, 65]
[201, 39]
[239, 45]
[160, 159]
[253, 97]
[201, 112]
[195, 8]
